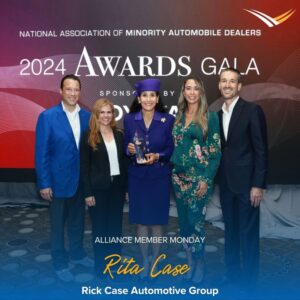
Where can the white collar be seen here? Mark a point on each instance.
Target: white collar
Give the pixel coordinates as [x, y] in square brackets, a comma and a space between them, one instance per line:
[231, 106]
[74, 112]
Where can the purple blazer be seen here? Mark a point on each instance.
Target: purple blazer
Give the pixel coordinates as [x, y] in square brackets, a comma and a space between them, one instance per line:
[158, 139]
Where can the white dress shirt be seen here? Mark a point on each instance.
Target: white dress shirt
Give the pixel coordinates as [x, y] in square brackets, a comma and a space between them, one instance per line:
[113, 157]
[227, 115]
[74, 121]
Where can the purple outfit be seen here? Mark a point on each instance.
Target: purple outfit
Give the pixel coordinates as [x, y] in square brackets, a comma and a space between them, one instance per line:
[149, 185]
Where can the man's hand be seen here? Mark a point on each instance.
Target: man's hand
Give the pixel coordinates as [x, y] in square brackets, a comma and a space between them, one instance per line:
[90, 201]
[256, 195]
[46, 194]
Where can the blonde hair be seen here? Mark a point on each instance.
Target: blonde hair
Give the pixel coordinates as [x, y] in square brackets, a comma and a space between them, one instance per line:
[95, 137]
[201, 117]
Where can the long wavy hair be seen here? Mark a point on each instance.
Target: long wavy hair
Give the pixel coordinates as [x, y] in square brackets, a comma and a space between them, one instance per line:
[201, 117]
[95, 137]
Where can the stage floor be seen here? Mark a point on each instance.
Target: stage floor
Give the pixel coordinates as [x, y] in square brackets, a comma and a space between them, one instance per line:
[26, 261]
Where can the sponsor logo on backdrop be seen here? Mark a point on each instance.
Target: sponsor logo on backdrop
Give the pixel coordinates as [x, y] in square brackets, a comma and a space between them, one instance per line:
[271, 21]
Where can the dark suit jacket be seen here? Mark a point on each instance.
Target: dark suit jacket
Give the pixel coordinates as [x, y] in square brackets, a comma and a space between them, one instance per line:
[244, 154]
[56, 154]
[95, 168]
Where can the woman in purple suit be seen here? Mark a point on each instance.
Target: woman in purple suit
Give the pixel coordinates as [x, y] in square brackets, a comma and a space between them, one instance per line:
[149, 144]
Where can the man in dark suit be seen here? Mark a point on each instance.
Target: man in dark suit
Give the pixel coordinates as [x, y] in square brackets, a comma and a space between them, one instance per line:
[242, 178]
[58, 133]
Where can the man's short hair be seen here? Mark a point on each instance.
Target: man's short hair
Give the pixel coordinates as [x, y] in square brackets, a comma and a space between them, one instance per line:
[235, 71]
[70, 76]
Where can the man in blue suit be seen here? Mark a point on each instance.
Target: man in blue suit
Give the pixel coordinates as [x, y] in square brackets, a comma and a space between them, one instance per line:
[57, 162]
[242, 178]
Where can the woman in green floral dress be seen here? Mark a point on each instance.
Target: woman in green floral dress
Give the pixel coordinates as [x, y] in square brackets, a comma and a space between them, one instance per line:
[196, 159]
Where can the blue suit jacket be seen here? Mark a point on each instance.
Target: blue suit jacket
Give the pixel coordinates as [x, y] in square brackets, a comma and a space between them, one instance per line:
[57, 160]
[159, 138]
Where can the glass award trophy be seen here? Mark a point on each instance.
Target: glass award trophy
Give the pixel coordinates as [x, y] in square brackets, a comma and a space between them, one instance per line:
[139, 148]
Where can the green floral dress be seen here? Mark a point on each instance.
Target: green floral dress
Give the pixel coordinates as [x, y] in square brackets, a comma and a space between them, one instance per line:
[195, 159]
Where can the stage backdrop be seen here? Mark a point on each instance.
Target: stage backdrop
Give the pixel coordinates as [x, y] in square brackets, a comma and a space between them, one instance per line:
[113, 44]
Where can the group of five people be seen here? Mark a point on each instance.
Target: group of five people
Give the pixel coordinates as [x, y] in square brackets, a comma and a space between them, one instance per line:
[81, 155]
